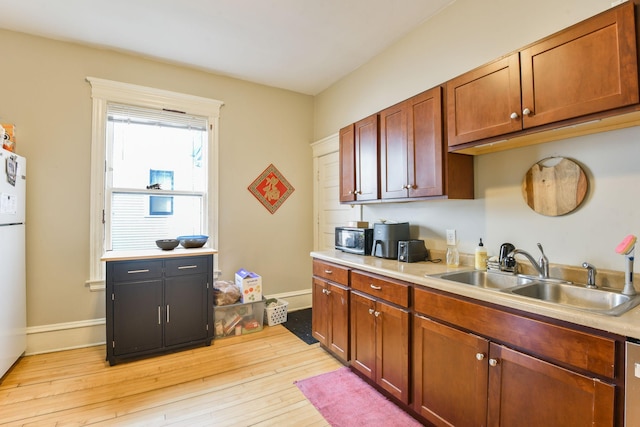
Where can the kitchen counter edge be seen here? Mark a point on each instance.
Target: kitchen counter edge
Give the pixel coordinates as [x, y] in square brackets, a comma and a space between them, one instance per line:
[419, 273]
[155, 253]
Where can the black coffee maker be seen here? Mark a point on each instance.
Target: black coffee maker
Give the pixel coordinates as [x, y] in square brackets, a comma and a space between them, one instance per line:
[386, 237]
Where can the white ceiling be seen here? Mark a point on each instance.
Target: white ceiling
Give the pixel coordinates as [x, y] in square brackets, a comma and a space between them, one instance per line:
[300, 45]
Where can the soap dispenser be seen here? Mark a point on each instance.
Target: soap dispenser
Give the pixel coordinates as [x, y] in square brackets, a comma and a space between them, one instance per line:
[481, 257]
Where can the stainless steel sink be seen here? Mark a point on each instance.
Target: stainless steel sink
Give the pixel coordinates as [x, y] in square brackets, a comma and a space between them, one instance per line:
[488, 280]
[553, 291]
[595, 300]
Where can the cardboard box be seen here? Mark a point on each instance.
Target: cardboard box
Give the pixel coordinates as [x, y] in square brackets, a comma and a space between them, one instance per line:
[250, 285]
[238, 319]
[9, 140]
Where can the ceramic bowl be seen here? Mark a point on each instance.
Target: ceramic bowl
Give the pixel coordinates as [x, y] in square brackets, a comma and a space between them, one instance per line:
[196, 241]
[167, 244]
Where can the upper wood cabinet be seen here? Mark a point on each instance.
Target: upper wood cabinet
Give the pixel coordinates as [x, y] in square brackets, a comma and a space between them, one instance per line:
[359, 160]
[413, 161]
[347, 158]
[411, 147]
[588, 68]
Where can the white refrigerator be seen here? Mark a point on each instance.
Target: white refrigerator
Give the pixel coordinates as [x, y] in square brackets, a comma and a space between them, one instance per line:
[13, 295]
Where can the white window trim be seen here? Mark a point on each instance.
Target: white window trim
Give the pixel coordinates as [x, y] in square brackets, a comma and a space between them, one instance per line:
[104, 91]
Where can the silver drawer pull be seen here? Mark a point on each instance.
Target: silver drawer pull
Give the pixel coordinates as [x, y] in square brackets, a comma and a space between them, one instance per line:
[159, 316]
[184, 267]
[328, 271]
[167, 313]
[137, 271]
[376, 288]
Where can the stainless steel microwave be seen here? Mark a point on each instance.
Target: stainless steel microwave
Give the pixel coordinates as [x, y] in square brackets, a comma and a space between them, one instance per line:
[354, 240]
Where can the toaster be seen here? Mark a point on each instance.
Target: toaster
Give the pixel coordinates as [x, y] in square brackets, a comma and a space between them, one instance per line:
[412, 251]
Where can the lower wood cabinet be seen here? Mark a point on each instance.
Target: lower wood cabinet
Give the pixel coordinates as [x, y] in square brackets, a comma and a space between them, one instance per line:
[461, 379]
[380, 332]
[330, 314]
[464, 379]
[330, 322]
[450, 373]
[380, 344]
[527, 391]
[155, 306]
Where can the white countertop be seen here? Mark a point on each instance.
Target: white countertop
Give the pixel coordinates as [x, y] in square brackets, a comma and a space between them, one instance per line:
[418, 273]
[156, 253]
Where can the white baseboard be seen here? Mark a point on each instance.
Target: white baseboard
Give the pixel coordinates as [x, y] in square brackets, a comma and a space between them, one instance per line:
[65, 336]
[297, 300]
[87, 333]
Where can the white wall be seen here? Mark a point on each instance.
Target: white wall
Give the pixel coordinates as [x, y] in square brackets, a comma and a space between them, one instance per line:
[468, 34]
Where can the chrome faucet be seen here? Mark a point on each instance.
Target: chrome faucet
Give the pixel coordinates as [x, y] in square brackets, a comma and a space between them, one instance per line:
[542, 266]
[591, 275]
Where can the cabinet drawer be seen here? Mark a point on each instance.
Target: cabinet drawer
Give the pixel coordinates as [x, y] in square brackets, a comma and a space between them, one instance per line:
[380, 287]
[132, 271]
[332, 272]
[558, 343]
[186, 265]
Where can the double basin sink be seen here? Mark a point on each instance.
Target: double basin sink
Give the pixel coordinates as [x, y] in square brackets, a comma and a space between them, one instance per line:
[554, 291]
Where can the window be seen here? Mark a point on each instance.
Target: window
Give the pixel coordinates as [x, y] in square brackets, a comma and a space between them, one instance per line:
[154, 169]
[152, 152]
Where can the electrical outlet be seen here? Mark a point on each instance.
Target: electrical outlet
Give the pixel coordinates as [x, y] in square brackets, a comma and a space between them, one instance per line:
[451, 237]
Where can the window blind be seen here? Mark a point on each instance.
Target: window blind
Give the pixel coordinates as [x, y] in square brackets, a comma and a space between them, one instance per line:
[123, 113]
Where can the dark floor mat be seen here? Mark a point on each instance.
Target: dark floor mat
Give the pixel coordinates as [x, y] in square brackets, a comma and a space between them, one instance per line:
[299, 323]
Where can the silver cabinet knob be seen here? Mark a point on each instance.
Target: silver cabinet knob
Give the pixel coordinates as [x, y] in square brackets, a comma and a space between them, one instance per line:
[377, 313]
[526, 112]
[371, 310]
[480, 356]
[493, 362]
[514, 115]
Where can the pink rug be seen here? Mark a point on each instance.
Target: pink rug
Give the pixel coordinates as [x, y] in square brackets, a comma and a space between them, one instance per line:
[346, 400]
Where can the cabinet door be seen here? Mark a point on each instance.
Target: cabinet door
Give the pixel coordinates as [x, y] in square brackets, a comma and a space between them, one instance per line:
[411, 144]
[347, 164]
[137, 317]
[450, 374]
[526, 391]
[392, 350]
[425, 155]
[338, 340]
[320, 312]
[587, 68]
[363, 334]
[186, 309]
[482, 102]
[394, 152]
[366, 148]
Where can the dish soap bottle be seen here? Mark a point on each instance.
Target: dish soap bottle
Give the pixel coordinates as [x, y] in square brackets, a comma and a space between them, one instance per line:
[481, 257]
[453, 258]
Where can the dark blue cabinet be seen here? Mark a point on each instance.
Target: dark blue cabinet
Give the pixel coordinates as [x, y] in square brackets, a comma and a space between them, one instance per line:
[158, 305]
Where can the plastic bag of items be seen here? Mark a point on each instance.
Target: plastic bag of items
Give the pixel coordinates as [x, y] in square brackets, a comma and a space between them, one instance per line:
[226, 292]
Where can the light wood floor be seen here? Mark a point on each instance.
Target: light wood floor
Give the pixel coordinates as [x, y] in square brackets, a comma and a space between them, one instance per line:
[239, 381]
